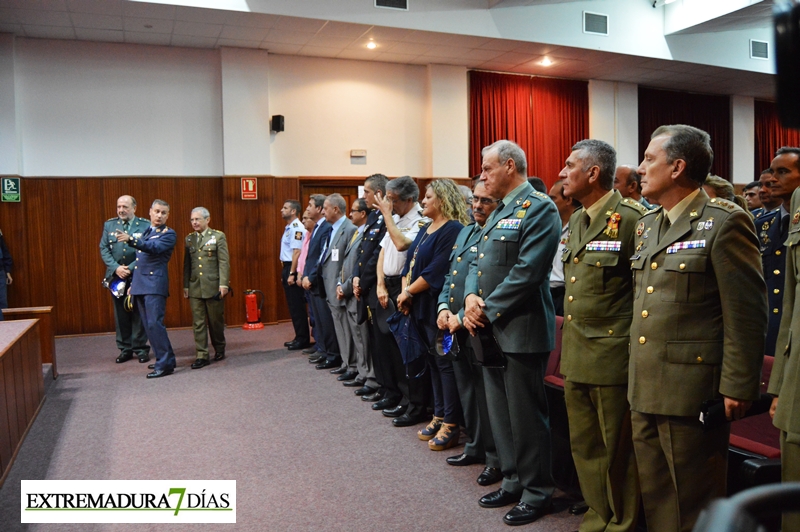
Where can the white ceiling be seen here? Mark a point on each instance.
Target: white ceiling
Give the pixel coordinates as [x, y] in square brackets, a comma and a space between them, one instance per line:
[170, 25]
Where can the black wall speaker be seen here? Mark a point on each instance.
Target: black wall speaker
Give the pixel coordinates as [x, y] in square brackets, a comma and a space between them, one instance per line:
[277, 123]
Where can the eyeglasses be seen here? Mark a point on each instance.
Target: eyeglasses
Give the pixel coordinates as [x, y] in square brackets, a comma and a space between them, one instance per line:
[484, 201]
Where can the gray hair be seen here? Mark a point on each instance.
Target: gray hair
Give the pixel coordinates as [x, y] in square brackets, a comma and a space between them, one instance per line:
[600, 154]
[508, 150]
[203, 212]
[690, 144]
[336, 200]
[466, 192]
[405, 188]
[159, 202]
[377, 182]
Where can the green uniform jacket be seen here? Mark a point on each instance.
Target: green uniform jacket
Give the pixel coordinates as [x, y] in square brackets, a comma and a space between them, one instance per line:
[511, 272]
[598, 303]
[464, 251]
[699, 313]
[205, 264]
[785, 379]
[116, 254]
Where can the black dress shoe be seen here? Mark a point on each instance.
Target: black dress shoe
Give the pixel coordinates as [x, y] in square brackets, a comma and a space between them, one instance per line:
[346, 376]
[489, 476]
[199, 363]
[144, 357]
[352, 384]
[406, 420]
[124, 357]
[396, 411]
[373, 397]
[316, 359]
[296, 346]
[160, 373]
[365, 390]
[340, 371]
[385, 403]
[579, 508]
[286, 344]
[219, 356]
[523, 513]
[498, 499]
[151, 366]
[310, 350]
[328, 364]
[462, 459]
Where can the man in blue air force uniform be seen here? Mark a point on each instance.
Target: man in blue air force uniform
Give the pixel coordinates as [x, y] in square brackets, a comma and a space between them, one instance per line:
[150, 283]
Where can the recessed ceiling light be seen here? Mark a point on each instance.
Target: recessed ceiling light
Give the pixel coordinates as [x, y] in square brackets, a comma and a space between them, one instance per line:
[546, 62]
[371, 45]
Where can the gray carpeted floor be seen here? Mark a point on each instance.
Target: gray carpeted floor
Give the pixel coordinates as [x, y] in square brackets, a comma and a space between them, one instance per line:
[306, 454]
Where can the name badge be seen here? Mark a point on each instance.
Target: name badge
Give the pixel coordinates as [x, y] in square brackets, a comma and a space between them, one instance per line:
[689, 244]
[507, 223]
[335, 255]
[473, 249]
[604, 245]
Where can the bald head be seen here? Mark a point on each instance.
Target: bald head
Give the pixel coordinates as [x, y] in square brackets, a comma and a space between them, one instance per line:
[626, 181]
[126, 208]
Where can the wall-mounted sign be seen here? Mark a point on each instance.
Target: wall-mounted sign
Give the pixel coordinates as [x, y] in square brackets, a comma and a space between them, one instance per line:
[249, 188]
[11, 191]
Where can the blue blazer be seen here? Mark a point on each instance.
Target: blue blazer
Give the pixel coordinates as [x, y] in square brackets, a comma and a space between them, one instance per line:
[153, 251]
[322, 234]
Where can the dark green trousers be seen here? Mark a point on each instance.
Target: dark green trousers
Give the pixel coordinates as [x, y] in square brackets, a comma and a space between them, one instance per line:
[208, 316]
[131, 335]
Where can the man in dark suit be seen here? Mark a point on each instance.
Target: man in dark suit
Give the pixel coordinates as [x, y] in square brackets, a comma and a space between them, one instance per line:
[594, 352]
[120, 259]
[508, 288]
[150, 283]
[365, 278]
[469, 376]
[698, 328]
[330, 265]
[324, 332]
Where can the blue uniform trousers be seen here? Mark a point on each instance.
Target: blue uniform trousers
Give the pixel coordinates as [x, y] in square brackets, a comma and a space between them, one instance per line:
[152, 308]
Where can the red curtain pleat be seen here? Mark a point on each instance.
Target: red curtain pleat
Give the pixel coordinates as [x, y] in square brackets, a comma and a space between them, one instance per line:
[544, 116]
[770, 135]
[710, 113]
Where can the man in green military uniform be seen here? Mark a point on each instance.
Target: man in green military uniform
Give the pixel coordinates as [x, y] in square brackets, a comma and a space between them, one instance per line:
[698, 329]
[784, 383]
[206, 273]
[120, 259]
[594, 351]
[508, 286]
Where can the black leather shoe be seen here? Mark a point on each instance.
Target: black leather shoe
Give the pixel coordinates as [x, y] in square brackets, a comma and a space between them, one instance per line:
[385, 403]
[406, 421]
[498, 499]
[489, 476]
[462, 459]
[316, 359]
[579, 508]
[151, 366]
[328, 364]
[310, 350]
[365, 390]
[160, 373]
[143, 358]
[339, 371]
[286, 344]
[352, 384]
[346, 375]
[219, 356]
[296, 346]
[396, 411]
[373, 397]
[124, 357]
[523, 513]
[199, 363]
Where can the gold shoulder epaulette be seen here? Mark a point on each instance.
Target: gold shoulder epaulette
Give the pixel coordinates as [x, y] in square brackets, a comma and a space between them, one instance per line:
[541, 195]
[723, 204]
[635, 205]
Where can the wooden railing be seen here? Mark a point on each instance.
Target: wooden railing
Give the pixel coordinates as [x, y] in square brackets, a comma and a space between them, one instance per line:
[47, 330]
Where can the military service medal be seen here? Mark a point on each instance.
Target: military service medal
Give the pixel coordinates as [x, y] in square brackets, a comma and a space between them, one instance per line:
[640, 229]
[526, 204]
[796, 217]
[612, 229]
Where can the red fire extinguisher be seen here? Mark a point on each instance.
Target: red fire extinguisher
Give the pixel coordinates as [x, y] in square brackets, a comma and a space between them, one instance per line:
[253, 309]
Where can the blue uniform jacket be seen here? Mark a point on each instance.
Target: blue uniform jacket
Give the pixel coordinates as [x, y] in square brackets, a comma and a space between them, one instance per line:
[771, 240]
[154, 249]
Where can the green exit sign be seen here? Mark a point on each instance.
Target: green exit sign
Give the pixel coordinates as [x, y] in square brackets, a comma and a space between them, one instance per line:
[11, 190]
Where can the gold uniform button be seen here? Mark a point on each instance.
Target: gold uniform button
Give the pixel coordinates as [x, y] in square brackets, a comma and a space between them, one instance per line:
[650, 290]
[455, 272]
[653, 266]
[452, 285]
[498, 314]
[481, 256]
[642, 339]
[597, 263]
[199, 258]
[572, 279]
[645, 314]
[569, 317]
[778, 252]
[480, 273]
[201, 273]
[200, 266]
[151, 273]
[570, 298]
[575, 260]
[486, 237]
[682, 266]
[451, 300]
[775, 311]
[610, 332]
[458, 259]
[480, 291]
[777, 272]
[777, 291]
[699, 359]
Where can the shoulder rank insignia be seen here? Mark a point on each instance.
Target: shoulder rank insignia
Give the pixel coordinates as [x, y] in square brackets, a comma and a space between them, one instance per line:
[298, 235]
[540, 194]
[612, 229]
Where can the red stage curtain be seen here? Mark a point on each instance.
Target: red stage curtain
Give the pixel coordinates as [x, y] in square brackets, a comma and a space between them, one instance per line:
[544, 116]
[770, 135]
[710, 113]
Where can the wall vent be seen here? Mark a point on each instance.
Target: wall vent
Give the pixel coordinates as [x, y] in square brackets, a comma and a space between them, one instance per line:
[759, 49]
[392, 4]
[595, 23]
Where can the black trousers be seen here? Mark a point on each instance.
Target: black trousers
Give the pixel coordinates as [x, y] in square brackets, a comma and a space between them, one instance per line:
[295, 299]
[324, 330]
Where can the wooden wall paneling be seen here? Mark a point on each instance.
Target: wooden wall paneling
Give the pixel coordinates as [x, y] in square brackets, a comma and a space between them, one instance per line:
[84, 303]
[43, 238]
[15, 232]
[6, 447]
[17, 359]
